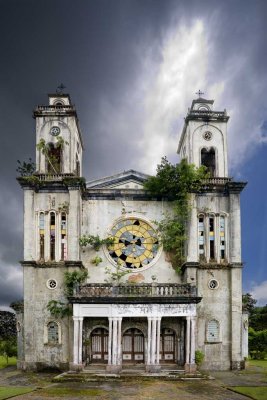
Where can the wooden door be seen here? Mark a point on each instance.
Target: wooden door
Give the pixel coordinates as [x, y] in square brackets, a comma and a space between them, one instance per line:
[99, 345]
[133, 346]
[167, 345]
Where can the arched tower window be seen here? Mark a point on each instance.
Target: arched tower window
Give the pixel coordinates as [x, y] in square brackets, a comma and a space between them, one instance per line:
[63, 232]
[211, 237]
[201, 236]
[77, 165]
[208, 159]
[52, 235]
[53, 159]
[222, 237]
[41, 235]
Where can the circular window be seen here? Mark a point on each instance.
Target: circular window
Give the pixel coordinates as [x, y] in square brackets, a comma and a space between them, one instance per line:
[213, 284]
[51, 284]
[207, 135]
[55, 131]
[135, 244]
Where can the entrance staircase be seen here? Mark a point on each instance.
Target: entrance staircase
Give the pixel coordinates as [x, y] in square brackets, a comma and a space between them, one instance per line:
[98, 373]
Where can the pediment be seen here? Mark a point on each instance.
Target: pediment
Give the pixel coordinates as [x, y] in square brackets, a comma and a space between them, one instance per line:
[125, 180]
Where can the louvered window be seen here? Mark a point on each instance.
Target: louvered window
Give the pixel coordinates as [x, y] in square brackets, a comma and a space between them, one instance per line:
[52, 332]
[213, 331]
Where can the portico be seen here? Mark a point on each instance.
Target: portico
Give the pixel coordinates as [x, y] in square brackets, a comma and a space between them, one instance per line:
[117, 313]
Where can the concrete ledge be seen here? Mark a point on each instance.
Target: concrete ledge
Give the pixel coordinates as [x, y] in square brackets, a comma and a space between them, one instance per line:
[190, 368]
[152, 368]
[113, 369]
[76, 367]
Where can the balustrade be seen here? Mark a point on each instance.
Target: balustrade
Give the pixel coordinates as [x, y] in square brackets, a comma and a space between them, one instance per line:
[140, 290]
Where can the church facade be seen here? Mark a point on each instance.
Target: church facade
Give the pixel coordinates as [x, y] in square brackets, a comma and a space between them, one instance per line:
[133, 308]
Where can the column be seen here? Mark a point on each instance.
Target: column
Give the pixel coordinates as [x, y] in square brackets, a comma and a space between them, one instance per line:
[149, 341]
[80, 340]
[187, 345]
[75, 340]
[192, 341]
[153, 341]
[114, 342]
[110, 341]
[119, 359]
[158, 340]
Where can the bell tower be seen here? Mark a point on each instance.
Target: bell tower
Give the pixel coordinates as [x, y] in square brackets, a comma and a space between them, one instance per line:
[58, 137]
[204, 137]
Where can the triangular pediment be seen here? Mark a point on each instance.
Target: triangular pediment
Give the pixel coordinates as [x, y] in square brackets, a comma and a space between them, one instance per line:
[125, 180]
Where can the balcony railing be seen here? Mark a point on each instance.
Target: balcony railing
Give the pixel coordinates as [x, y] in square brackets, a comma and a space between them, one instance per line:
[216, 181]
[207, 113]
[53, 177]
[55, 108]
[142, 290]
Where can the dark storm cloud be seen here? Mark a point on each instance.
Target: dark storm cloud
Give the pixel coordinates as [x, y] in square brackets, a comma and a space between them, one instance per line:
[108, 54]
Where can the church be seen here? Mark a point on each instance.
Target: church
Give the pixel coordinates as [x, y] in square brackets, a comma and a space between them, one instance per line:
[132, 308]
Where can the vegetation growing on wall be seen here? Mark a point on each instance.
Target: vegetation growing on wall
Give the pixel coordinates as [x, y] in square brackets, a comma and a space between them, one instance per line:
[114, 276]
[95, 241]
[176, 182]
[61, 309]
[52, 159]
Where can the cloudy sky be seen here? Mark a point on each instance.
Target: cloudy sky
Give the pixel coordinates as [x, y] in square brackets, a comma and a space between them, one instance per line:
[132, 68]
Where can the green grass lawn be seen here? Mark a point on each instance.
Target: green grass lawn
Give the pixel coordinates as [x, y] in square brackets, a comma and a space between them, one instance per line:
[257, 392]
[258, 363]
[11, 361]
[8, 391]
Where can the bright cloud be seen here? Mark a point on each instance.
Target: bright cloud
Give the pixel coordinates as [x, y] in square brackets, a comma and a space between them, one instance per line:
[259, 292]
[181, 71]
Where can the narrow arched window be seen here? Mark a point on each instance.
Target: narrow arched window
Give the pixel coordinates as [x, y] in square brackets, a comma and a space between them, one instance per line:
[213, 331]
[52, 235]
[211, 238]
[63, 232]
[52, 332]
[208, 159]
[53, 159]
[201, 236]
[222, 237]
[77, 165]
[41, 235]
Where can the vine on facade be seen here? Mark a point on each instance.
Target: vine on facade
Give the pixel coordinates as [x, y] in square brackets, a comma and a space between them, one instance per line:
[61, 309]
[51, 153]
[95, 241]
[176, 182]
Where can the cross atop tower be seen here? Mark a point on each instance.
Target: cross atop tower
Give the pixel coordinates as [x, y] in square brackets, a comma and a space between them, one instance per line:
[60, 88]
[199, 93]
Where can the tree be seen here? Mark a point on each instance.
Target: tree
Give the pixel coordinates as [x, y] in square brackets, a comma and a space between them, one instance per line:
[248, 303]
[176, 182]
[7, 325]
[8, 348]
[258, 318]
[257, 343]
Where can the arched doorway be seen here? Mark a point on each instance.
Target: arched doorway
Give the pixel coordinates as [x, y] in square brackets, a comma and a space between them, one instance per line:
[167, 345]
[133, 346]
[99, 346]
